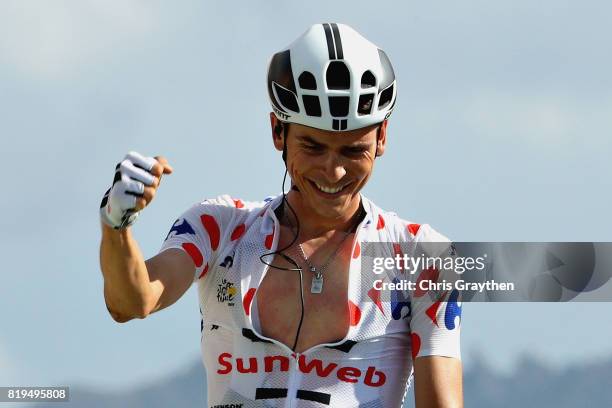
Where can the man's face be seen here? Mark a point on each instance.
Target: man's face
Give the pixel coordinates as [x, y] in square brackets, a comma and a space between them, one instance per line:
[330, 168]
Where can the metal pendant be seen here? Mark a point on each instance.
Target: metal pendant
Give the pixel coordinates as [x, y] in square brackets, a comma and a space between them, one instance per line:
[317, 283]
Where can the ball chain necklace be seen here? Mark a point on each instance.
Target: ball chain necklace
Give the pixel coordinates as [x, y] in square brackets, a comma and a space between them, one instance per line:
[317, 279]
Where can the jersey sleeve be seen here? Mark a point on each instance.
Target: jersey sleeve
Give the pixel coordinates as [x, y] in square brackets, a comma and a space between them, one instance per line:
[201, 232]
[435, 314]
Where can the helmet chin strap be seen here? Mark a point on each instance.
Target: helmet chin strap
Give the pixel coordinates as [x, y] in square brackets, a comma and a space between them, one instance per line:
[377, 139]
[278, 128]
[283, 128]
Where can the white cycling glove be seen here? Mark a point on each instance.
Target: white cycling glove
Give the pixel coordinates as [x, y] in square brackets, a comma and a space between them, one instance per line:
[117, 209]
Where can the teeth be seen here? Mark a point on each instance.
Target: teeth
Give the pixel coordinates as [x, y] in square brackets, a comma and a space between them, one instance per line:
[329, 190]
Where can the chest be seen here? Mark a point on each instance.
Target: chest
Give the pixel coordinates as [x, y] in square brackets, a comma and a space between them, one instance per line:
[318, 318]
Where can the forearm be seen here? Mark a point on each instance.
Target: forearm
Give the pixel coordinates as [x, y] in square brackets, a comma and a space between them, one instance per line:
[127, 288]
[438, 382]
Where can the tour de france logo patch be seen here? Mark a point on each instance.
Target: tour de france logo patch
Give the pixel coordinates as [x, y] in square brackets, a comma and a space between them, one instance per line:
[226, 292]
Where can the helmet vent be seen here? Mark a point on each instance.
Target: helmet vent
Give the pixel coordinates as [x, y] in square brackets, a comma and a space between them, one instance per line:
[307, 81]
[338, 76]
[368, 80]
[365, 104]
[339, 124]
[385, 97]
[339, 105]
[286, 98]
[312, 105]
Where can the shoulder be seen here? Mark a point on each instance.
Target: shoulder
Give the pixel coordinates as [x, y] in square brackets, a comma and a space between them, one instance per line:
[226, 205]
[393, 228]
[220, 216]
[225, 202]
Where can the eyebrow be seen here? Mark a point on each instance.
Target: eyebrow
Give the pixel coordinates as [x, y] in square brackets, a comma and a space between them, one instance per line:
[308, 139]
[356, 145]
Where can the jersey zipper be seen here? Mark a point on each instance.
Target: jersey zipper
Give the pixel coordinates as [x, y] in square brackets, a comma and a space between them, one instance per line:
[292, 384]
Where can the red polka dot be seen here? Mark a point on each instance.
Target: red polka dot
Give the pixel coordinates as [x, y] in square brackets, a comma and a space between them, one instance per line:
[194, 253]
[246, 302]
[269, 240]
[416, 344]
[429, 274]
[354, 313]
[238, 203]
[357, 250]
[397, 250]
[413, 228]
[375, 296]
[203, 272]
[238, 232]
[381, 222]
[211, 226]
[432, 312]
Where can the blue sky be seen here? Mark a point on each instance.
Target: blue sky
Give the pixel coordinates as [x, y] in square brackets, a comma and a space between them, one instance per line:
[501, 132]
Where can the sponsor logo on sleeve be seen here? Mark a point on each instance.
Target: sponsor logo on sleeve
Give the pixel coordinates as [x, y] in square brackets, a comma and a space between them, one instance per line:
[179, 228]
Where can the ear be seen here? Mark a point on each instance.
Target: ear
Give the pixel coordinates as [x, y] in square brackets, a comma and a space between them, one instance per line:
[382, 138]
[277, 138]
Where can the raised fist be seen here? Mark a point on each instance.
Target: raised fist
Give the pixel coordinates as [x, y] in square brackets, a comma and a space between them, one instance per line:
[136, 181]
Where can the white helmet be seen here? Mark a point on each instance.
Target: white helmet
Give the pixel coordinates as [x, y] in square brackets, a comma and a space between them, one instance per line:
[344, 82]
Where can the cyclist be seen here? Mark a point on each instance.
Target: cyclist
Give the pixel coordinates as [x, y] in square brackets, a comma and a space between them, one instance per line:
[288, 314]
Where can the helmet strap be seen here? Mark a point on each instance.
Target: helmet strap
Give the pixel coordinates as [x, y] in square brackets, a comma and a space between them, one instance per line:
[279, 127]
[283, 127]
[377, 139]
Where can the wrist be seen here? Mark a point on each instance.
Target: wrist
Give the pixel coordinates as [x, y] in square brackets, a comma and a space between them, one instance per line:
[117, 221]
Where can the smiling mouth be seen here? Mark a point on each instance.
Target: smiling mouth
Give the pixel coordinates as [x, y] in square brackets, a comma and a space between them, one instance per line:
[329, 189]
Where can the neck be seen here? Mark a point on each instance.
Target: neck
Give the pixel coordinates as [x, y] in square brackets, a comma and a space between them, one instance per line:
[314, 225]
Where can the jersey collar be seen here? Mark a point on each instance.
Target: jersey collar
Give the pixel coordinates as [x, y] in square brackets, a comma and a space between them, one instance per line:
[272, 203]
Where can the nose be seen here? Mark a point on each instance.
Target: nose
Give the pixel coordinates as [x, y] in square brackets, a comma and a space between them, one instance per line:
[334, 168]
